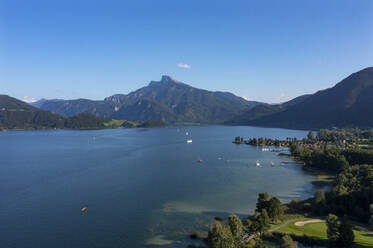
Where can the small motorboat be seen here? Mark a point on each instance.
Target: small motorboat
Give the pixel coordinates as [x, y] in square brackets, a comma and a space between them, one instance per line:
[189, 141]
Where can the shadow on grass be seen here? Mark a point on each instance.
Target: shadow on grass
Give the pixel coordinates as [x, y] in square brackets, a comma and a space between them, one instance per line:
[370, 235]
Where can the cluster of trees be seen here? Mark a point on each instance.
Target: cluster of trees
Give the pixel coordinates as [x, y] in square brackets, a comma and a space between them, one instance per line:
[358, 156]
[260, 222]
[230, 234]
[340, 234]
[347, 138]
[271, 205]
[85, 121]
[153, 124]
[351, 194]
[348, 135]
[227, 235]
[268, 210]
[331, 158]
[264, 142]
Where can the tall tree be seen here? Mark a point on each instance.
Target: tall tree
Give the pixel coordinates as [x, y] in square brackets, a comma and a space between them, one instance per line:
[262, 202]
[345, 234]
[260, 223]
[319, 197]
[320, 202]
[311, 135]
[237, 229]
[274, 208]
[332, 227]
[265, 221]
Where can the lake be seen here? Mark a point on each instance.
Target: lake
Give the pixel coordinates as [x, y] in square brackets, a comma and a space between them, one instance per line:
[141, 187]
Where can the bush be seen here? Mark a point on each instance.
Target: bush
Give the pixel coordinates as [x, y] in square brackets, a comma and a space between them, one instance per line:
[194, 235]
[219, 218]
[288, 242]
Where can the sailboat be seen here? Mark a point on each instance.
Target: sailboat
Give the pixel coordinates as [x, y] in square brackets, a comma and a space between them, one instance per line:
[188, 140]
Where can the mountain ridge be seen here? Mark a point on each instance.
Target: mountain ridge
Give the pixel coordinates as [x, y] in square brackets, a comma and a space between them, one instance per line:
[347, 104]
[168, 100]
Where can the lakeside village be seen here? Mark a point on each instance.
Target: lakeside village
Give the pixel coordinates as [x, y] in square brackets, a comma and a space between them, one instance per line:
[339, 217]
[342, 139]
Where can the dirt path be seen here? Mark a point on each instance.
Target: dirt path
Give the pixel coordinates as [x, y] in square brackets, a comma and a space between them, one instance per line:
[284, 224]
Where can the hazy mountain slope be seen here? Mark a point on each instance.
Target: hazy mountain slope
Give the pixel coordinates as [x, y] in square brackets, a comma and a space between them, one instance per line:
[262, 110]
[38, 103]
[347, 104]
[70, 108]
[144, 110]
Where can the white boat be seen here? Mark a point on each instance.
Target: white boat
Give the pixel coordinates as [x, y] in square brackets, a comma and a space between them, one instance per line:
[189, 141]
[258, 164]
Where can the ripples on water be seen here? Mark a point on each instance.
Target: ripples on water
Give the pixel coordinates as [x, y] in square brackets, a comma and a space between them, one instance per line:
[142, 187]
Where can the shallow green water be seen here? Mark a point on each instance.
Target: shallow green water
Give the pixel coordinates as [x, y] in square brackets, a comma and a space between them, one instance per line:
[141, 187]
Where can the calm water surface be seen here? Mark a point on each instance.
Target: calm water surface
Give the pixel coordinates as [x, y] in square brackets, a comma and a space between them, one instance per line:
[141, 187]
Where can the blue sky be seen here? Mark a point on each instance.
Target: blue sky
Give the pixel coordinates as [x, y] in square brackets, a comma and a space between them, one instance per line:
[267, 50]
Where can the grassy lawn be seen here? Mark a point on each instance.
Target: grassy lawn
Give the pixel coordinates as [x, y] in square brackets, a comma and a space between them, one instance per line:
[318, 230]
[121, 123]
[114, 123]
[366, 146]
[285, 218]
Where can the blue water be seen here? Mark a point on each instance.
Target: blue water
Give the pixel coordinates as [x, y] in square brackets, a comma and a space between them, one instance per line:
[141, 187]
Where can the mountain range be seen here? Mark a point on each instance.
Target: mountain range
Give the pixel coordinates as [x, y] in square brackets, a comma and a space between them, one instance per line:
[348, 104]
[167, 100]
